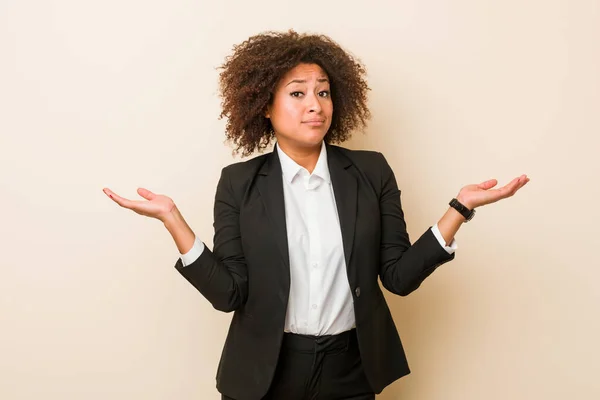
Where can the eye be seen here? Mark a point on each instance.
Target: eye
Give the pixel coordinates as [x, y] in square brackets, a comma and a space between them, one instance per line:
[325, 93]
[296, 94]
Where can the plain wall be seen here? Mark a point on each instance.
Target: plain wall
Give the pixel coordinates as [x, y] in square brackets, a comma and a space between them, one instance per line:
[123, 94]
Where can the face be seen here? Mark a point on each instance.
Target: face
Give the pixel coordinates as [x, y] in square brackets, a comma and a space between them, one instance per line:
[301, 109]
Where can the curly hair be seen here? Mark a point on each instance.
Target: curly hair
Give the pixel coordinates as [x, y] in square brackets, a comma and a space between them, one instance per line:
[250, 75]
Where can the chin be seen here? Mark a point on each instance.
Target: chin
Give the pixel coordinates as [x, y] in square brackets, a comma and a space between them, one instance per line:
[306, 139]
[312, 142]
[313, 138]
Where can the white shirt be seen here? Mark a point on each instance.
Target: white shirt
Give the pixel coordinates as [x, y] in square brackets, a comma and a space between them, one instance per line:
[320, 300]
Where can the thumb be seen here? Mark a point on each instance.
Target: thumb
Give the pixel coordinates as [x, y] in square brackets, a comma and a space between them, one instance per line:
[488, 184]
[145, 193]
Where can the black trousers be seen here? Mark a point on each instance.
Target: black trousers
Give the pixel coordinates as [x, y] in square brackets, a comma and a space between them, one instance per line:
[319, 368]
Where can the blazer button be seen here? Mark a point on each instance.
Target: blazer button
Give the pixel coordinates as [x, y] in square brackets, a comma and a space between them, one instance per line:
[357, 291]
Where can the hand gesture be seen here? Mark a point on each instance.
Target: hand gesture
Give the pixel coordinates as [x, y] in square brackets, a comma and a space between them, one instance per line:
[158, 206]
[473, 196]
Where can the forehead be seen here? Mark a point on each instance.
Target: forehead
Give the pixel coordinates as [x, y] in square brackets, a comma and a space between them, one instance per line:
[304, 72]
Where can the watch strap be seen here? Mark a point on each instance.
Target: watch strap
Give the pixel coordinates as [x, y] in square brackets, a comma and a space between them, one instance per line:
[462, 209]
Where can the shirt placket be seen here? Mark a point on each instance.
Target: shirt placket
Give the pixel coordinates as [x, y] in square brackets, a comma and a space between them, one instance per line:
[313, 268]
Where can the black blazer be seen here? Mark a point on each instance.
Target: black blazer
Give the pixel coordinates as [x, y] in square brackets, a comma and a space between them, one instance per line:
[248, 270]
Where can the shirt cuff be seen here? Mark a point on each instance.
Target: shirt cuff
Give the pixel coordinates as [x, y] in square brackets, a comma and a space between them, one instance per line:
[451, 248]
[193, 254]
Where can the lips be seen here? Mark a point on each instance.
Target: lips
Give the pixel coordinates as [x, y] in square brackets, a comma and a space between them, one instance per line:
[314, 122]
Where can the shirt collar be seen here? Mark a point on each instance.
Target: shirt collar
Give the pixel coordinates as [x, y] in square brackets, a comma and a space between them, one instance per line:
[290, 168]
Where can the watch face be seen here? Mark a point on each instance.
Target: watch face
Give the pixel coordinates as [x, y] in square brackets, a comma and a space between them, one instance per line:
[471, 215]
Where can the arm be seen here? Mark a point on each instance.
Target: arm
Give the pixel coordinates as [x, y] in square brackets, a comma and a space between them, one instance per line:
[220, 275]
[403, 267]
[449, 224]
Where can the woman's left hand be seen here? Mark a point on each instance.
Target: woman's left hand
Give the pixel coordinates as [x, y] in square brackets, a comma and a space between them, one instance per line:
[473, 196]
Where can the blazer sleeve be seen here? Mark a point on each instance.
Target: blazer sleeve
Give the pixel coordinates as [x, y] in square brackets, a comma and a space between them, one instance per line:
[403, 266]
[221, 275]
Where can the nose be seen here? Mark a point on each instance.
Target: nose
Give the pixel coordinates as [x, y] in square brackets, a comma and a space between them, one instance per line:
[314, 105]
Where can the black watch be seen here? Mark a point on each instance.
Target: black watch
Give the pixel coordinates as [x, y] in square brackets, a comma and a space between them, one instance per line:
[464, 211]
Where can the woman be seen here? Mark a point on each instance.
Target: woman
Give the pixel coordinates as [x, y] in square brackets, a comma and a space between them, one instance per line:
[303, 233]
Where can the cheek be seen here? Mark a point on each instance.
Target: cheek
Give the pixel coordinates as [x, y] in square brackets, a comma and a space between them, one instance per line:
[293, 109]
[329, 107]
[287, 113]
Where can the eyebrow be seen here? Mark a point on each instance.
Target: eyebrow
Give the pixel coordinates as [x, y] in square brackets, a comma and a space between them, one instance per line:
[304, 81]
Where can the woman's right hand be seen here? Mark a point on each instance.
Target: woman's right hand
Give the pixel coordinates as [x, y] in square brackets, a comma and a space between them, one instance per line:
[158, 206]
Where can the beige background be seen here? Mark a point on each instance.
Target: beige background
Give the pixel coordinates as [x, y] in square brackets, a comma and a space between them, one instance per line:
[123, 93]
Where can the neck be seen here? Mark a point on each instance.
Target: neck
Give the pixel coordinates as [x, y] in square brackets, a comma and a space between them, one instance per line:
[306, 157]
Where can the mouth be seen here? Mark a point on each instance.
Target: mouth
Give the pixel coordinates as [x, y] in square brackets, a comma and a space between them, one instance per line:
[314, 122]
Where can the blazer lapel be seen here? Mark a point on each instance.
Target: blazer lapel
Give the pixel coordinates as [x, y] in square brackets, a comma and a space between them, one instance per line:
[270, 187]
[345, 191]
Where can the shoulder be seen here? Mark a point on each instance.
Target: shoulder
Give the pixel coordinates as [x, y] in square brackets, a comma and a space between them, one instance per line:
[364, 160]
[237, 177]
[246, 168]
[371, 166]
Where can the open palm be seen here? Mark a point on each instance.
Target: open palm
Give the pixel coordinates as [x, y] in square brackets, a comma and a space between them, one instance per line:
[473, 196]
[155, 206]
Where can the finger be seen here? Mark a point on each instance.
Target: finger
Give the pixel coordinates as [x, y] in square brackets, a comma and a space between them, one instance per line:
[123, 202]
[512, 187]
[522, 182]
[507, 190]
[109, 193]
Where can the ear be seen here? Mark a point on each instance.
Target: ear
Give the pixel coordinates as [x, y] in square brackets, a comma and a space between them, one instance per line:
[268, 112]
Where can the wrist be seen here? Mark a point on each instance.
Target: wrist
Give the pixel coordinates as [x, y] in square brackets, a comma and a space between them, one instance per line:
[461, 198]
[172, 219]
[456, 217]
[180, 231]
[462, 209]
